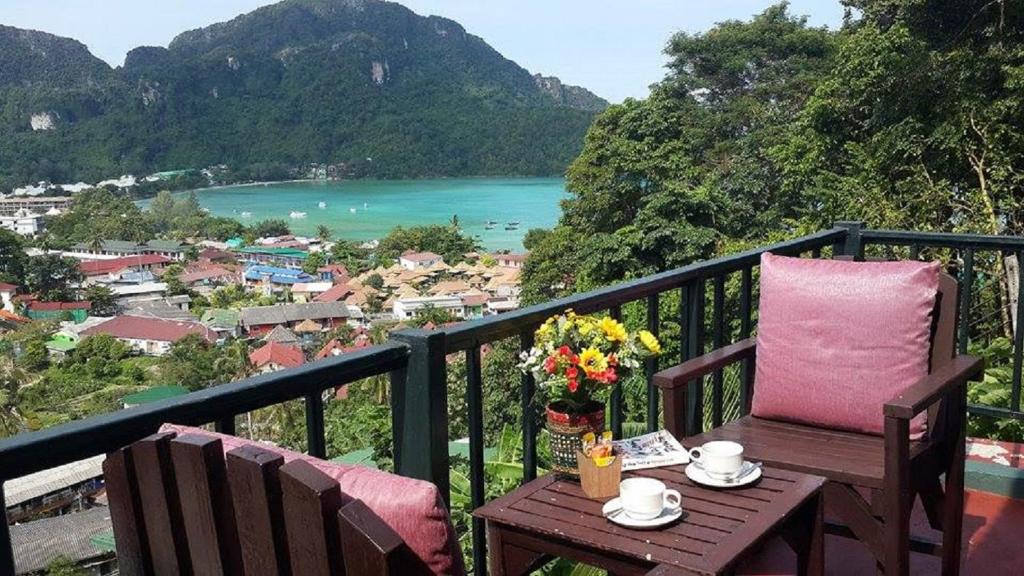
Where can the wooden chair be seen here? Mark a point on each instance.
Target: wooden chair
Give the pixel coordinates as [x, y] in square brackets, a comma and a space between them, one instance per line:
[872, 481]
[179, 506]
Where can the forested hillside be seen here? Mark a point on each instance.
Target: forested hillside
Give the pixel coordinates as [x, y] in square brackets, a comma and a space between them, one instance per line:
[362, 82]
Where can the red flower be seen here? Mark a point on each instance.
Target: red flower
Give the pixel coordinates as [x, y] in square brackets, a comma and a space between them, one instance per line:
[575, 359]
[573, 385]
[572, 373]
[564, 350]
[613, 360]
[550, 365]
[610, 376]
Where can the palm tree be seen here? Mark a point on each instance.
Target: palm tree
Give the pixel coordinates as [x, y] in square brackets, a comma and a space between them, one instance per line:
[323, 233]
[11, 379]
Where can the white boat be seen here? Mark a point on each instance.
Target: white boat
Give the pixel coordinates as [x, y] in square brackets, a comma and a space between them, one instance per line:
[352, 210]
[246, 214]
[322, 205]
[298, 214]
[365, 205]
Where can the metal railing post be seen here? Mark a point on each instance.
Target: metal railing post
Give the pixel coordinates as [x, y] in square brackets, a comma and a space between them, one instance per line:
[854, 244]
[420, 409]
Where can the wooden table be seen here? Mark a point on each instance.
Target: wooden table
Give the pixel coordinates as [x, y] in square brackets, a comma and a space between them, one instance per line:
[553, 517]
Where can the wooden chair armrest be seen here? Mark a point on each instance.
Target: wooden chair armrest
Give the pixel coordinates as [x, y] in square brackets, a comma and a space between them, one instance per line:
[678, 376]
[950, 377]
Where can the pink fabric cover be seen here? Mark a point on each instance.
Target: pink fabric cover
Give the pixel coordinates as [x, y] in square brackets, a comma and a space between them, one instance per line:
[412, 508]
[836, 339]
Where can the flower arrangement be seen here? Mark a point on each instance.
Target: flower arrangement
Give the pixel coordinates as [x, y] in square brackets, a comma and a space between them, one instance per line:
[576, 357]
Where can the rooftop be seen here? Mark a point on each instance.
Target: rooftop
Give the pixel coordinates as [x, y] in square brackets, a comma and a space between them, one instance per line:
[154, 394]
[283, 355]
[100, 267]
[137, 328]
[420, 256]
[285, 313]
[37, 544]
[35, 485]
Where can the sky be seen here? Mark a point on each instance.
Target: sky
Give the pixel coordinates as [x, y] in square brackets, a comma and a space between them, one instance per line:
[612, 47]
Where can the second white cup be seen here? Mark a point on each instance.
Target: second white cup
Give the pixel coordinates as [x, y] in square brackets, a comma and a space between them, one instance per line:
[720, 458]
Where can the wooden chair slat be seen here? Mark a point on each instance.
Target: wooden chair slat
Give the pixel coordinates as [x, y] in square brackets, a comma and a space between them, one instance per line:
[126, 514]
[311, 500]
[369, 545]
[206, 505]
[161, 508]
[256, 493]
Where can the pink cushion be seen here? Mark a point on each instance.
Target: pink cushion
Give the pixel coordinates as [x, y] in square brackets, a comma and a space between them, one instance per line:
[412, 508]
[836, 340]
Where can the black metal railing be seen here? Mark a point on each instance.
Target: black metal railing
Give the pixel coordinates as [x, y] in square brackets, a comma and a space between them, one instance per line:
[717, 304]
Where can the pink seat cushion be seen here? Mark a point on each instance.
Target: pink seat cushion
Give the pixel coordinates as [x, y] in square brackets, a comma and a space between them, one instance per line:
[836, 340]
[412, 508]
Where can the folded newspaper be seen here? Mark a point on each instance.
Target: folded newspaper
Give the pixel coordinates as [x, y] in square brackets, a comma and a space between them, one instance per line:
[650, 451]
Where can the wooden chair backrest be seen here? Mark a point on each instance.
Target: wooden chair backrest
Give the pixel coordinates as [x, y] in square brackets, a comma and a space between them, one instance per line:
[180, 506]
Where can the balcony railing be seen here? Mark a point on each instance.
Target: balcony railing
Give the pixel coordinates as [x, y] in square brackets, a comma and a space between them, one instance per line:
[716, 305]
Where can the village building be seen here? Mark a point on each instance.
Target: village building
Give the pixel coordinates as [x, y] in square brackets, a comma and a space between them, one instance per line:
[11, 205]
[260, 320]
[56, 490]
[23, 223]
[308, 291]
[113, 269]
[169, 308]
[7, 293]
[288, 257]
[282, 335]
[414, 260]
[150, 336]
[109, 249]
[224, 321]
[83, 538]
[273, 278]
[274, 356]
[510, 260]
[76, 311]
[457, 306]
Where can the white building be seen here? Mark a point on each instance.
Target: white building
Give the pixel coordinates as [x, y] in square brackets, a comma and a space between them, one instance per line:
[462, 307]
[7, 296]
[23, 222]
[414, 260]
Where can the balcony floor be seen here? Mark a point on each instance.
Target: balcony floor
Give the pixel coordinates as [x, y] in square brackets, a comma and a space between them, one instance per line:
[992, 528]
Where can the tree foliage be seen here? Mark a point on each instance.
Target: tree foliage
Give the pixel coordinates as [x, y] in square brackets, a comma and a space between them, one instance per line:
[446, 241]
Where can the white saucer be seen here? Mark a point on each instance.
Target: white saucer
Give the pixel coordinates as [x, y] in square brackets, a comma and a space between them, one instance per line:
[668, 515]
[696, 473]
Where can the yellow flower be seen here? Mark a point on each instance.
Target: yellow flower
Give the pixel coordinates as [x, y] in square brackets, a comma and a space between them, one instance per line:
[650, 341]
[592, 360]
[543, 332]
[613, 330]
[585, 326]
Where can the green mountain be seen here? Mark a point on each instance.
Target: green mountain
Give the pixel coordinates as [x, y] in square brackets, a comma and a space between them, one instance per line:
[362, 82]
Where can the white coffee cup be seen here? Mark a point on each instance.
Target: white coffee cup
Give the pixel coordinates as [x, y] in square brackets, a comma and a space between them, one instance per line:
[720, 458]
[646, 498]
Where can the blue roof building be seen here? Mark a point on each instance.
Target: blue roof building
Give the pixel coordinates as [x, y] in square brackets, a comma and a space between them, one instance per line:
[275, 275]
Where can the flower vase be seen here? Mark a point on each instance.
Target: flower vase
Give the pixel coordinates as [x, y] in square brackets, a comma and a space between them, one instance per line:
[566, 427]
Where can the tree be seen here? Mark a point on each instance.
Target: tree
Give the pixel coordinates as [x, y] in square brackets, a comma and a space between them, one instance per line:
[103, 300]
[12, 378]
[443, 240]
[172, 277]
[63, 566]
[665, 181]
[350, 255]
[323, 233]
[314, 262]
[374, 281]
[52, 277]
[433, 315]
[272, 227]
[12, 257]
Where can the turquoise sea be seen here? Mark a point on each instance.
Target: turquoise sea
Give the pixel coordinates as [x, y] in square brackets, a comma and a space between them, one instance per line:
[368, 209]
